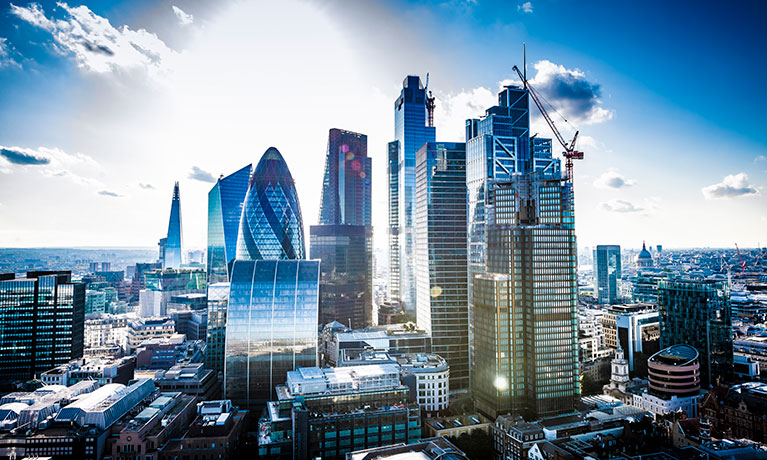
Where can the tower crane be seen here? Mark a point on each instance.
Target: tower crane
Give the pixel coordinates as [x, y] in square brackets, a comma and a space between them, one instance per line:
[740, 259]
[570, 153]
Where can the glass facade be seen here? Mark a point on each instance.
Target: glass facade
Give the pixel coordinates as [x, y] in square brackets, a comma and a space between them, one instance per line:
[607, 272]
[698, 313]
[346, 184]
[393, 174]
[173, 242]
[522, 261]
[41, 323]
[271, 326]
[218, 301]
[271, 226]
[225, 201]
[346, 273]
[442, 291]
[410, 132]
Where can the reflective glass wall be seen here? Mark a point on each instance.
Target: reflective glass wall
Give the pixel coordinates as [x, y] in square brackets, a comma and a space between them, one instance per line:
[225, 202]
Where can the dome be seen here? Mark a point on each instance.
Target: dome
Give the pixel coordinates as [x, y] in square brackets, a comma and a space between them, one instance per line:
[271, 226]
[644, 258]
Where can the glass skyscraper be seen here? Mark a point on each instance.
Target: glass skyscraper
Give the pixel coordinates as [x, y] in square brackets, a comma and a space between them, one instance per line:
[218, 302]
[699, 314]
[392, 172]
[411, 131]
[225, 201]
[271, 226]
[344, 239]
[442, 292]
[607, 272]
[522, 266]
[41, 323]
[173, 242]
[271, 326]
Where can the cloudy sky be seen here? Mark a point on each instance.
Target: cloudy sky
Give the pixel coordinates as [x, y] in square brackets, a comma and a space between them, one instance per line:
[103, 105]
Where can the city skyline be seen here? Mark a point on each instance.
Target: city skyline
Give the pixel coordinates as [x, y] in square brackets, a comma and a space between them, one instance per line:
[164, 77]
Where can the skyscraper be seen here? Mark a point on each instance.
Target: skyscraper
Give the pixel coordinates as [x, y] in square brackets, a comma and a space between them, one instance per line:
[174, 241]
[344, 239]
[225, 201]
[411, 131]
[607, 272]
[271, 226]
[41, 319]
[392, 171]
[698, 313]
[272, 311]
[522, 266]
[442, 292]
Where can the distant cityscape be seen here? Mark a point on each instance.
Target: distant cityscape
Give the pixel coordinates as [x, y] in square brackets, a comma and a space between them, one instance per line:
[481, 331]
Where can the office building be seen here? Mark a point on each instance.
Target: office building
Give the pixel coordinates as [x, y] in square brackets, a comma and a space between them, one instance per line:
[343, 240]
[162, 286]
[138, 330]
[271, 326]
[674, 375]
[635, 329]
[190, 379]
[441, 277]
[225, 201]
[697, 313]
[392, 172]
[522, 266]
[346, 273]
[412, 129]
[218, 301]
[41, 318]
[454, 426]
[393, 339]
[100, 370]
[607, 272]
[271, 226]
[513, 438]
[173, 248]
[437, 448]
[332, 411]
[736, 411]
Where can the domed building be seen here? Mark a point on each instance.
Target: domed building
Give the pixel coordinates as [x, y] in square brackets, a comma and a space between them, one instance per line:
[271, 227]
[644, 258]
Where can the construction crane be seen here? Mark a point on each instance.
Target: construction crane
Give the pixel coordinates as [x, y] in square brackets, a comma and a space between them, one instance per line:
[570, 153]
[429, 102]
[740, 259]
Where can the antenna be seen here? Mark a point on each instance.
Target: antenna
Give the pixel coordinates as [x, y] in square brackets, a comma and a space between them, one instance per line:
[524, 64]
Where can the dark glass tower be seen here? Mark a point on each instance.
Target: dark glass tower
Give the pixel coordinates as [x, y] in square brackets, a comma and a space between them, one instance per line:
[41, 319]
[607, 272]
[173, 242]
[271, 226]
[522, 263]
[225, 201]
[411, 131]
[699, 314]
[443, 305]
[344, 239]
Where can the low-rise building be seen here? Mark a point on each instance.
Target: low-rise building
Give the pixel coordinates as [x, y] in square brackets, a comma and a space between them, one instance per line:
[455, 426]
[138, 330]
[427, 449]
[513, 437]
[674, 382]
[738, 411]
[427, 375]
[191, 379]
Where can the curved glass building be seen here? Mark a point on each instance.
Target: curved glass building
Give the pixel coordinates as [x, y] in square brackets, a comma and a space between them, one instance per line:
[225, 201]
[271, 226]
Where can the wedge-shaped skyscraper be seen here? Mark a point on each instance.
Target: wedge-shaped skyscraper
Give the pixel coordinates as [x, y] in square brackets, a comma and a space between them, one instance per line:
[271, 226]
[173, 242]
[225, 201]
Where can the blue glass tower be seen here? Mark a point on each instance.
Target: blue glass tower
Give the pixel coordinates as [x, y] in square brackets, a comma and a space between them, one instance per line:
[607, 272]
[271, 226]
[173, 242]
[225, 201]
[411, 131]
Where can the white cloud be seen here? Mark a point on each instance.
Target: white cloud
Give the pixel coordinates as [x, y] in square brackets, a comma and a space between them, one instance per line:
[96, 45]
[110, 194]
[452, 110]
[732, 186]
[183, 18]
[526, 7]
[613, 179]
[50, 162]
[620, 206]
[201, 175]
[6, 60]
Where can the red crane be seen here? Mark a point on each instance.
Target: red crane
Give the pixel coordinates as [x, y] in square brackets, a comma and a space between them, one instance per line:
[570, 153]
[740, 259]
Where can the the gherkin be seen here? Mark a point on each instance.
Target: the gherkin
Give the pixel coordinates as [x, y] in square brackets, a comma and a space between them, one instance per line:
[271, 227]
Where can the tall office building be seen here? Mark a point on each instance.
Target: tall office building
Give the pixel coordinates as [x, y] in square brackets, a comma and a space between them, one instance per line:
[346, 188]
[442, 292]
[271, 326]
[218, 301]
[522, 266]
[171, 253]
[225, 201]
[272, 310]
[271, 226]
[392, 171]
[607, 272]
[698, 313]
[344, 239]
[41, 318]
[411, 131]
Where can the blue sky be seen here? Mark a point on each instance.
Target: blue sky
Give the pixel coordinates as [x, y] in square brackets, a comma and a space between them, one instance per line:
[105, 104]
